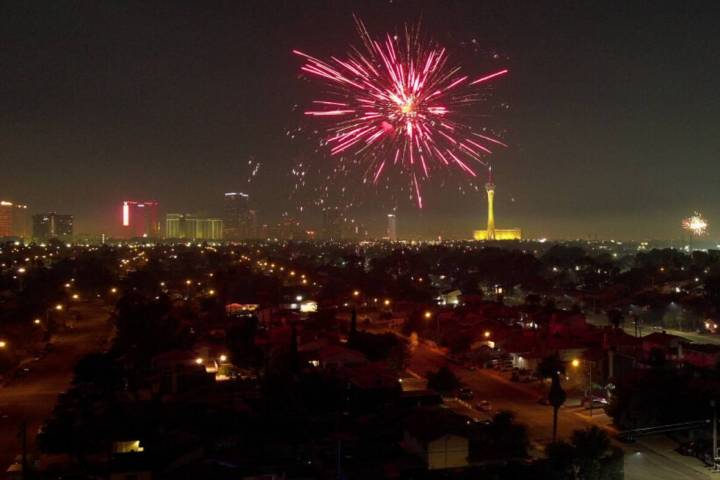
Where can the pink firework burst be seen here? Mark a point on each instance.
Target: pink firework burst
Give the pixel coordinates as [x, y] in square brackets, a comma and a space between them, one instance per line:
[399, 105]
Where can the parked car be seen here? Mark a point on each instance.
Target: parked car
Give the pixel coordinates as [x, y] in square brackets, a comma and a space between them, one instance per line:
[597, 402]
[695, 448]
[522, 375]
[465, 394]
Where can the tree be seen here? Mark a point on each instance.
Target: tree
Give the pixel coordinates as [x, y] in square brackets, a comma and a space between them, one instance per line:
[557, 398]
[615, 317]
[588, 456]
[444, 380]
[353, 321]
[551, 367]
[380, 347]
[414, 323]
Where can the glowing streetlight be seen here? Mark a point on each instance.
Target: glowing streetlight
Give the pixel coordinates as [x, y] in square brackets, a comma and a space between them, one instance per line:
[3, 344]
[487, 334]
[223, 358]
[428, 314]
[199, 360]
[356, 293]
[36, 321]
[113, 290]
[58, 307]
[211, 292]
[386, 302]
[75, 296]
[575, 362]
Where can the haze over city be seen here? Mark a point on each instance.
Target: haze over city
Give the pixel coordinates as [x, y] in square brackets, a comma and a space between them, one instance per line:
[352, 240]
[609, 112]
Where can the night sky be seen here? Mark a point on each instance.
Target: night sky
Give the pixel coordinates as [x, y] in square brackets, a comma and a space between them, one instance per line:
[613, 120]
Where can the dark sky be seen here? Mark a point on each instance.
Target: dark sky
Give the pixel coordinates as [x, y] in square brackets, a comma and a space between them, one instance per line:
[613, 123]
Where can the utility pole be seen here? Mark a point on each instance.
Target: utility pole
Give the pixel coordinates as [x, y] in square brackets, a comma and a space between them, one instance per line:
[716, 465]
[23, 444]
[590, 389]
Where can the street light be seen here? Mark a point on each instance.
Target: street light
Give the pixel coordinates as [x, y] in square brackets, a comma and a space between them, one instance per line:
[20, 272]
[428, 314]
[223, 358]
[486, 334]
[3, 344]
[36, 321]
[75, 296]
[356, 293]
[575, 362]
[199, 360]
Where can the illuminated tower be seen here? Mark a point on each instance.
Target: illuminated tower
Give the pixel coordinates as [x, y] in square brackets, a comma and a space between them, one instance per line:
[490, 233]
[490, 189]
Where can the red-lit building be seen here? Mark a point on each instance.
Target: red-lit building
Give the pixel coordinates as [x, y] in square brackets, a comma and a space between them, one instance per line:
[140, 219]
[14, 220]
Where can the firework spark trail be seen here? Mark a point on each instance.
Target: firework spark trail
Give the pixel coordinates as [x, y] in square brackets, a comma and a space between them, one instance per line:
[695, 224]
[400, 98]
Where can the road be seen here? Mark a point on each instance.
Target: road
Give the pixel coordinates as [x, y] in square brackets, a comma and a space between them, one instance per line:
[642, 461]
[33, 397]
[505, 395]
[601, 321]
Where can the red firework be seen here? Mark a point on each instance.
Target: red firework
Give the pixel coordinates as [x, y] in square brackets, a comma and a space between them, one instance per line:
[399, 104]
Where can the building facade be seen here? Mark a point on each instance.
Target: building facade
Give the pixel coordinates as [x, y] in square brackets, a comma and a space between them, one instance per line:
[140, 219]
[13, 220]
[192, 227]
[52, 225]
[239, 220]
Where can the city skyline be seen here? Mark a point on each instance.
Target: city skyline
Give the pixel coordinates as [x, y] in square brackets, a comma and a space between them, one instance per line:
[104, 121]
[359, 239]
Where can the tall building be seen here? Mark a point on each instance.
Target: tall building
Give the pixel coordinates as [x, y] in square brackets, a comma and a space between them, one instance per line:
[240, 222]
[332, 224]
[392, 227]
[491, 233]
[52, 225]
[13, 220]
[140, 219]
[191, 227]
[175, 225]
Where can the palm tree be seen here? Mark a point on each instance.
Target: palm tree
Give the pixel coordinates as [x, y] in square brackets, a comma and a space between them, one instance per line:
[552, 367]
[557, 398]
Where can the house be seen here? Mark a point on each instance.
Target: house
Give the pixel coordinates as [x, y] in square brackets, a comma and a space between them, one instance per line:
[699, 355]
[663, 342]
[334, 357]
[450, 297]
[562, 322]
[131, 466]
[437, 436]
